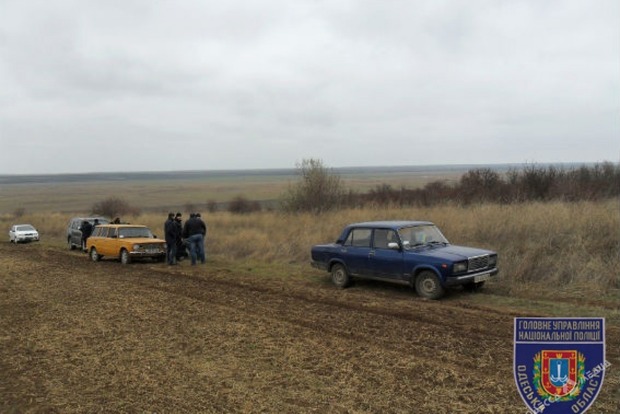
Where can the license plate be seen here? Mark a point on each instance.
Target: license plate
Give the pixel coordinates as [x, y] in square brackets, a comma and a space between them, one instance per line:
[152, 251]
[481, 278]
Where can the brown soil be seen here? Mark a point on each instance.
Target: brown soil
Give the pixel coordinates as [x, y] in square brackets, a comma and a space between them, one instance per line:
[77, 336]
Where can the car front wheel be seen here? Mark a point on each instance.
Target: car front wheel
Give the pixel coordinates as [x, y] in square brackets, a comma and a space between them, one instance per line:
[428, 285]
[125, 258]
[340, 277]
[71, 246]
[94, 256]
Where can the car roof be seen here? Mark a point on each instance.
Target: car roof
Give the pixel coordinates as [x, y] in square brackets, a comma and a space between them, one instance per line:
[90, 218]
[121, 225]
[391, 224]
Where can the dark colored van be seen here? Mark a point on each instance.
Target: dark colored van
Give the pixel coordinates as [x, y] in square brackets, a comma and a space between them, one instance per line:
[74, 234]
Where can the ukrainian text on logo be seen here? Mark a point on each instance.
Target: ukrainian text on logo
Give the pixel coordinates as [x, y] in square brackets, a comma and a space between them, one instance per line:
[559, 363]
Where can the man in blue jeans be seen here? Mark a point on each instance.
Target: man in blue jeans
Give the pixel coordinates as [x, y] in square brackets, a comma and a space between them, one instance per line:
[194, 232]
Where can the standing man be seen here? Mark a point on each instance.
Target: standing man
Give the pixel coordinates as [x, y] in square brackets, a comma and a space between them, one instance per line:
[204, 236]
[181, 249]
[86, 228]
[194, 232]
[171, 233]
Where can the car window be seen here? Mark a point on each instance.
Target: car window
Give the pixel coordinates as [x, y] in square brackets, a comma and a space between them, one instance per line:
[103, 231]
[358, 238]
[113, 232]
[418, 235]
[100, 232]
[25, 228]
[134, 232]
[382, 237]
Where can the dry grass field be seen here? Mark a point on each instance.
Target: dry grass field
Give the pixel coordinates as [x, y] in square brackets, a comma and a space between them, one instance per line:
[79, 336]
[257, 330]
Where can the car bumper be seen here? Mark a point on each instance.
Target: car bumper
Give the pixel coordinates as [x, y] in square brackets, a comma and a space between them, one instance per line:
[147, 254]
[25, 239]
[477, 277]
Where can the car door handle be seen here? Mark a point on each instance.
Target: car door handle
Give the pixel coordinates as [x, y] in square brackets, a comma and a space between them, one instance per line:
[371, 254]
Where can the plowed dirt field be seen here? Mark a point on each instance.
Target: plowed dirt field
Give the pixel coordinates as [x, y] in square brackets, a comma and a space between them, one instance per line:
[78, 336]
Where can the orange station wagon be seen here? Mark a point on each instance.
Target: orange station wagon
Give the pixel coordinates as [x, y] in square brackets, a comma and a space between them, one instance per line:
[126, 242]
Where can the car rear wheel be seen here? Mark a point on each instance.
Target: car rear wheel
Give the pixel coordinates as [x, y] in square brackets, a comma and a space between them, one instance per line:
[428, 285]
[340, 277]
[125, 258]
[94, 256]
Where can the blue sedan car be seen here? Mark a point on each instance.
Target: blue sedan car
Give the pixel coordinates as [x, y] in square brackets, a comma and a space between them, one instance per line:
[413, 253]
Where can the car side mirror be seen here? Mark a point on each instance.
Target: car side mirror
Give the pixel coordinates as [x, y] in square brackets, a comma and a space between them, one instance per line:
[393, 246]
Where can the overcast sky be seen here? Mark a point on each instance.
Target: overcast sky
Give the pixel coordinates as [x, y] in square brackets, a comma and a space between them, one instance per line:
[148, 85]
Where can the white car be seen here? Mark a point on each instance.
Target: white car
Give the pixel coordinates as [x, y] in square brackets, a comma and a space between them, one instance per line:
[23, 233]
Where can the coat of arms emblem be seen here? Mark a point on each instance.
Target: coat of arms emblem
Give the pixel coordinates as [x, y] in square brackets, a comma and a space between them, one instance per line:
[559, 363]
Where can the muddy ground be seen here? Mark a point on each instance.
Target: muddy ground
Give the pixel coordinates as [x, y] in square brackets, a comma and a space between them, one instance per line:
[78, 336]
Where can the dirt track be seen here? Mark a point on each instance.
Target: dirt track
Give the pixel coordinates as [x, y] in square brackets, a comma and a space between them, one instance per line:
[77, 336]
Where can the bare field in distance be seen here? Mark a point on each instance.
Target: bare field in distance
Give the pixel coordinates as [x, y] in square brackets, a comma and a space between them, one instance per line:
[165, 191]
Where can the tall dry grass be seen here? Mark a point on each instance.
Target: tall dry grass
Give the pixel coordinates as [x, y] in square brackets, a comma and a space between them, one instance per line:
[545, 248]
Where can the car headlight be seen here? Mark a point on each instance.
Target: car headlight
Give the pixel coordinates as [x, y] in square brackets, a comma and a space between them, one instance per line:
[136, 247]
[493, 260]
[459, 267]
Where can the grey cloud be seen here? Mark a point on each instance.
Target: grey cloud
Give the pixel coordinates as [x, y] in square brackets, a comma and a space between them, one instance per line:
[265, 84]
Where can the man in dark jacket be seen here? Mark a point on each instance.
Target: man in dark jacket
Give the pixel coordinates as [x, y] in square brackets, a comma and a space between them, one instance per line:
[86, 228]
[181, 247]
[194, 232]
[171, 233]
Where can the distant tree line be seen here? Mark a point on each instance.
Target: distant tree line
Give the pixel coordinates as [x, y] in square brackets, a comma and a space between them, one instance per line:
[319, 190]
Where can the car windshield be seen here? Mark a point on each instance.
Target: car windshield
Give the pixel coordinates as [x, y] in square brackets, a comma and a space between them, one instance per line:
[24, 228]
[134, 232]
[421, 235]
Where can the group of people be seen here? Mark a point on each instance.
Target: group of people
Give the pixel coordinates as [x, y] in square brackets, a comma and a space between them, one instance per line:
[179, 237]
